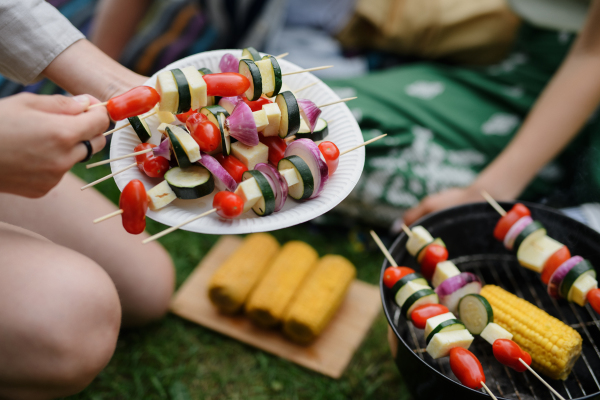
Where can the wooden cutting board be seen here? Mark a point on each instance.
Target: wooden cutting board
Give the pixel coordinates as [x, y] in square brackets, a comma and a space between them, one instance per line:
[329, 354]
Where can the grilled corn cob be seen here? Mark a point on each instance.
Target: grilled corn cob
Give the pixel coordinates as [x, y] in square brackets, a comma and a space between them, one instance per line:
[284, 276]
[318, 298]
[231, 284]
[554, 346]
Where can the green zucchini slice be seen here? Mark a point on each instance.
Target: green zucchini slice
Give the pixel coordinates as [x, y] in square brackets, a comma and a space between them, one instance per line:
[423, 296]
[250, 53]
[529, 229]
[582, 268]
[140, 127]
[416, 277]
[180, 156]
[183, 88]
[320, 133]
[276, 71]
[475, 312]
[190, 183]
[306, 184]
[290, 114]
[204, 71]
[251, 71]
[446, 326]
[266, 204]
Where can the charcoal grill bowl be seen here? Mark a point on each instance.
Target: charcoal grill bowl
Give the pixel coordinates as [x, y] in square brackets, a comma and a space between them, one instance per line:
[467, 232]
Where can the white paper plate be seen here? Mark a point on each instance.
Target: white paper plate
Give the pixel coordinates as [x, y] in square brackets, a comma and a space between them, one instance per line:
[343, 131]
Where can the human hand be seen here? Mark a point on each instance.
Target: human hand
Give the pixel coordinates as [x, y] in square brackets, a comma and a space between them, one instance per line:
[41, 139]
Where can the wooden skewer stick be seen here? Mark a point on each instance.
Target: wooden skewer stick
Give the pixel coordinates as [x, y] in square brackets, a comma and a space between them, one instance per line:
[173, 228]
[337, 101]
[541, 379]
[363, 144]
[307, 70]
[98, 105]
[406, 230]
[493, 203]
[137, 153]
[108, 176]
[305, 87]
[487, 389]
[281, 55]
[383, 249]
[108, 216]
[128, 123]
[290, 139]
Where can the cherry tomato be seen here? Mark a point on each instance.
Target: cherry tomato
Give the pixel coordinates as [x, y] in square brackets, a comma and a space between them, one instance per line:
[141, 158]
[593, 297]
[421, 314]
[508, 353]
[228, 204]
[256, 105]
[391, 275]
[226, 84]
[235, 167]
[183, 117]
[504, 224]
[434, 254]
[156, 166]
[467, 368]
[553, 262]
[137, 101]
[276, 147]
[204, 132]
[134, 203]
[331, 154]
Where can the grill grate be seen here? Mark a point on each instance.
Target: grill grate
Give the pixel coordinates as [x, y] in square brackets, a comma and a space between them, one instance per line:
[503, 270]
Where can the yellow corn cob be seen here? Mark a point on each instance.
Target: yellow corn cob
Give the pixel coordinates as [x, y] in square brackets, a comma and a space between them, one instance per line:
[231, 284]
[318, 298]
[554, 347]
[284, 276]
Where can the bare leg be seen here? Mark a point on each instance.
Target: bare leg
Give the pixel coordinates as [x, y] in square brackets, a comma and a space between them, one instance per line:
[142, 274]
[59, 317]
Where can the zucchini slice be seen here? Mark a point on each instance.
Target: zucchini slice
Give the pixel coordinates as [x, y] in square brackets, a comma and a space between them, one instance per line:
[251, 71]
[475, 312]
[416, 278]
[446, 326]
[531, 232]
[250, 53]
[290, 114]
[275, 70]
[423, 296]
[582, 268]
[204, 71]
[217, 115]
[197, 88]
[190, 183]
[140, 127]
[320, 133]
[183, 89]
[185, 148]
[432, 322]
[265, 205]
[306, 184]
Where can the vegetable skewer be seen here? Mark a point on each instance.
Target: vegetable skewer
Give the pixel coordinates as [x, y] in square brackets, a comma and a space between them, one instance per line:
[133, 204]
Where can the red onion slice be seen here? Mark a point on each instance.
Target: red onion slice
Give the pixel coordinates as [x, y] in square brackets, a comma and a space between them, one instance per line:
[163, 150]
[229, 103]
[308, 151]
[560, 273]
[310, 113]
[211, 164]
[279, 184]
[229, 63]
[241, 125]
[513, 232]
[455, 288]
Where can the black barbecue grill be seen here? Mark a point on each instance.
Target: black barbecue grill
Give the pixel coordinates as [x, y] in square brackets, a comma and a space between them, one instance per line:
[467, 231]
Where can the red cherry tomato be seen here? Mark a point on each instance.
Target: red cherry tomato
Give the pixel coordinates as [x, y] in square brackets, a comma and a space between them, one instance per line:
[560, 256]
[155, 167]
[593, 297]
[226, 84]
[235, 167]
[517, 212]
[184, 116]
[276, 147]
[141, 158]
[228, 204]
[331, 154]
[421, 314]
[434, 254]
[391, 275]
[508, 353]
[134, 203]
[256, 105]
[137, 101]
[467, 368]
[204, 132]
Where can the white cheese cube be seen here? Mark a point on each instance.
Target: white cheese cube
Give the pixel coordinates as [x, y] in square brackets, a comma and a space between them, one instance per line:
[580, 289]
[443, 271]
[249, 191]
[274, 117]
[407, 290]
[250, 155]
[442, 342]
[166, 117]
[160, 196]
[261, 120]
[420, 237]
[435, 321]
[197, 87]
[190, 146]
[290, 175]
[267, 75]
[535, 253]
[167, 89]
[493, 331]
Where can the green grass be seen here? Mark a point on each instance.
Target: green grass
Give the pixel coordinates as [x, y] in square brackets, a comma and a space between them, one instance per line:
[176, 359]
